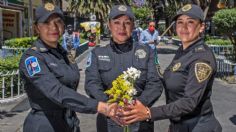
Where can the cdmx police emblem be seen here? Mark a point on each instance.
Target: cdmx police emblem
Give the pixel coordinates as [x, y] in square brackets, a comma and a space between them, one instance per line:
[49, 6]
[140, 53]
[176, 67]
[32, 65]
[202, 71]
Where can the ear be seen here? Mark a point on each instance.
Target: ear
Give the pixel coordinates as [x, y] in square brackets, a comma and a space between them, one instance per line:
[202, 28]
[36, 28]
[109, 25]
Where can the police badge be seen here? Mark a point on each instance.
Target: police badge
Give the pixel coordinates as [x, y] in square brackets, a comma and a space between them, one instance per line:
[49, 6]
[122, 8]
[176, 67]
[186, 7]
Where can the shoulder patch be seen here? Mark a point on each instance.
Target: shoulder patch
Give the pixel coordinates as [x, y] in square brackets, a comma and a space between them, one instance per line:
[89, 60]
[202, 71]
[32, 65]
[140, 53]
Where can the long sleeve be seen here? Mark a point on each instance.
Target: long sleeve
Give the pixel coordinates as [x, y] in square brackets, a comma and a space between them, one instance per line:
[93, 82]
[194, 92]
[40, 78]
[153, 87]
[143, 39]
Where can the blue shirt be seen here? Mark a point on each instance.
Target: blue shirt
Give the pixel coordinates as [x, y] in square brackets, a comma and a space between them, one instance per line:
[71, 38]
[146, 36]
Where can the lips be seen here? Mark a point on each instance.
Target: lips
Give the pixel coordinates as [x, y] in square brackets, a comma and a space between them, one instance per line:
[54, 34]
[122, 34]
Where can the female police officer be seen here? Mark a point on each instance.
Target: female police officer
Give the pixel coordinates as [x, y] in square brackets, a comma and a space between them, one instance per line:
[51, 79]
[188, 81]
[106, 63]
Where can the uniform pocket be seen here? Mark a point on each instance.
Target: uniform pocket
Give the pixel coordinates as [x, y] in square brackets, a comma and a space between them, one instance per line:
[104, 66]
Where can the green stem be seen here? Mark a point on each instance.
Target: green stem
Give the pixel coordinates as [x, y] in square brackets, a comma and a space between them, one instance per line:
[126, 129]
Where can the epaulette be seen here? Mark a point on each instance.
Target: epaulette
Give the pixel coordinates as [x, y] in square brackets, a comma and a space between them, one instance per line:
[39, 49]
[200, 48]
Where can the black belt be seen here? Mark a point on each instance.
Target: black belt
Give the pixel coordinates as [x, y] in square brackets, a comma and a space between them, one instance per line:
[189, 119]
[59, 113]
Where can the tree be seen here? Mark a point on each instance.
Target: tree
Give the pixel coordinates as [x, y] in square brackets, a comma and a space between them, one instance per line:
[225, 21]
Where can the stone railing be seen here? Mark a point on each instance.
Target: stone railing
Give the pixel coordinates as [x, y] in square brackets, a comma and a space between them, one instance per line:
[11, 85]
[226, 69]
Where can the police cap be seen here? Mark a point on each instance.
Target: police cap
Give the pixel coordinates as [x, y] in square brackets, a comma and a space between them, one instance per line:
[190, 10]
[121, 10]
[43, 12]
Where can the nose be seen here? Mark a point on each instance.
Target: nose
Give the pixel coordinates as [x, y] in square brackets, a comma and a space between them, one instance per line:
[53, 25]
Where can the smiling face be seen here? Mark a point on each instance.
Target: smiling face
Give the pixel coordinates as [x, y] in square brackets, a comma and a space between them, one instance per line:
[121, 28]
[188, 29]
[51, 30]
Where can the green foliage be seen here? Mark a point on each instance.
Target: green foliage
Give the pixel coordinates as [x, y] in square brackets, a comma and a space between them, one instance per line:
[20, 42]
[9, 63]
[219, 42]
[142, 13]
[225, 20]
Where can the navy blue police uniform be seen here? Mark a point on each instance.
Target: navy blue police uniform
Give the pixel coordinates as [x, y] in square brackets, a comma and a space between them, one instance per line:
[50, 81]
[188, 84]
[106, 63]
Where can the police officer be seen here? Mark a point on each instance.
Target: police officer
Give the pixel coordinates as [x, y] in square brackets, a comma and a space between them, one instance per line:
[51, 79]
[188, 81]
[106, 63]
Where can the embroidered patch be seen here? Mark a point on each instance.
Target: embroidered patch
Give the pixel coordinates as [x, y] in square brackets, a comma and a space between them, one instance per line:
[187, 7]
[122, 8]
[49, 7]
[32, 65]
[140, 53]
[176, 67]
[202, 71]
[89, 60]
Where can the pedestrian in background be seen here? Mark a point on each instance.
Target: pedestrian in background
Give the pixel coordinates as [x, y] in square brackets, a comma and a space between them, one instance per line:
[188, 81]
[150, 35]
[136, 33]
[51, 79]
[106, 63]
[70, 41]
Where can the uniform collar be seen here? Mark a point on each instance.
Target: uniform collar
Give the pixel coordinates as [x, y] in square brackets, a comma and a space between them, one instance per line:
[42, 47]
[199, 41]
[119, 49]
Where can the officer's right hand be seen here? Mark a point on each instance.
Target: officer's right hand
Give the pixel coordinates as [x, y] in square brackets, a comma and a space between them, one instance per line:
[109, 110]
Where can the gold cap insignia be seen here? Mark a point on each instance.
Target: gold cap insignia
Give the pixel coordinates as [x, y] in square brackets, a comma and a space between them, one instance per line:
[140, 53]
[176, 67]
[187, 7]
[122, 8]
[202, 71]
[49, 6]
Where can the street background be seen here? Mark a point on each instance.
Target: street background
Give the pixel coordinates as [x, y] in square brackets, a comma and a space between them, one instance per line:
[223, 98]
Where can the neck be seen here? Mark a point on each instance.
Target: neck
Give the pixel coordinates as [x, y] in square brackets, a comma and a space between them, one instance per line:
[187, 44]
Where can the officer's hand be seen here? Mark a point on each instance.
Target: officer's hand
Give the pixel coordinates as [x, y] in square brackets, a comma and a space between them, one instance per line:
[134, 113]
[151, 42]
[107, 109]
